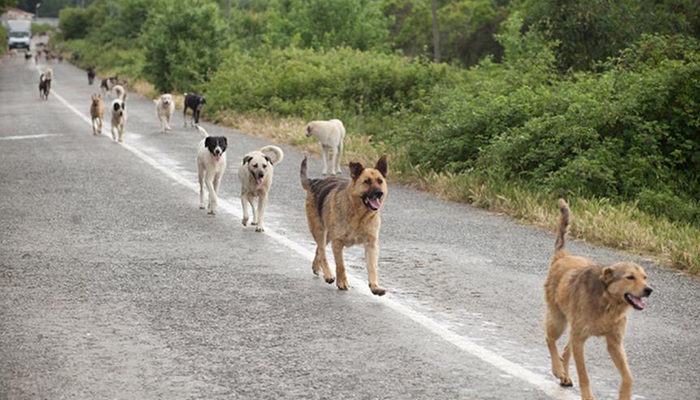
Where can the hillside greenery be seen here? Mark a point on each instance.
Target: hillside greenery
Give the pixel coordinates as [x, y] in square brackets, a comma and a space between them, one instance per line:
[591, 99]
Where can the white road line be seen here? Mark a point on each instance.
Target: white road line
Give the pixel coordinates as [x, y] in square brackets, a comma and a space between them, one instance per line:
[544, 383]
[20, 137]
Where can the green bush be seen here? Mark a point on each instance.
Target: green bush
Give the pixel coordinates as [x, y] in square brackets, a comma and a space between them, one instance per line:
[3, 39]
[74, 22]
[182, 41]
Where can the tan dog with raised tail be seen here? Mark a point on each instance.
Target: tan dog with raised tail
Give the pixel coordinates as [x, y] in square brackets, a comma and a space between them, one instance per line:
[593, 300]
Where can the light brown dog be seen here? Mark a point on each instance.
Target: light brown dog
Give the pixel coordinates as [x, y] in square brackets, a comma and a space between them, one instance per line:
[97, 112]
[593, 300]
[345, 212]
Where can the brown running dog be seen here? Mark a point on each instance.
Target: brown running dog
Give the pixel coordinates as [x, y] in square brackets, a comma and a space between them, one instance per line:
[345, 212]
[593, 300]
[97, 112]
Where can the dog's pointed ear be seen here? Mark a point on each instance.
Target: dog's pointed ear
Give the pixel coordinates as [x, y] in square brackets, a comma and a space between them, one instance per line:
[223, 138]
[607, 275]
[269, 160]
[381, 165]
[247, 159]
[356, 170]
[207, 141]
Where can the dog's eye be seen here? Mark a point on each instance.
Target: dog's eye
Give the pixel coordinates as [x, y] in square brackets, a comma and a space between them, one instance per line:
[368, 181]
[379, 181]
[265, 166]
[631, 277]
[255, 165]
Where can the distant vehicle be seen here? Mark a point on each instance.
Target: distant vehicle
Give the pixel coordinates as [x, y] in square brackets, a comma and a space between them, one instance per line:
[19, 34]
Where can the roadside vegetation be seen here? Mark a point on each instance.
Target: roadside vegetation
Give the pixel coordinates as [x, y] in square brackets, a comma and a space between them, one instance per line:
[595, 101]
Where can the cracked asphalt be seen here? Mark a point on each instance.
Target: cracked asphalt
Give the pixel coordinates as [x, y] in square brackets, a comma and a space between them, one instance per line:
[114, 285]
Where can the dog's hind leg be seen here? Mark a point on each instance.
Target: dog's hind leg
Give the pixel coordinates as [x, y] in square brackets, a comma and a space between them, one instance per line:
[372, 259]
[555, 324]
[338, 157]
[334, 160]
[617, 353]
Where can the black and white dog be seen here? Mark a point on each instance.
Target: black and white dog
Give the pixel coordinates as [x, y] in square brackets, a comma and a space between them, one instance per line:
[91, 75]
[194, 102]
[211, 165]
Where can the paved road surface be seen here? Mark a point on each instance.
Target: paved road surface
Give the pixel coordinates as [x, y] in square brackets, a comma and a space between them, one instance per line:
[116, 286]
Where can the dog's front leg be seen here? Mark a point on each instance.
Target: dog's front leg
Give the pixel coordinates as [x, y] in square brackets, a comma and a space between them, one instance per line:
[576, 344]
[200, 175]
[244, 206]
[334, 160]
[324, 156]
[340, 275]
[213, 199]
[617, 353]
[372, 259]
[262, 204]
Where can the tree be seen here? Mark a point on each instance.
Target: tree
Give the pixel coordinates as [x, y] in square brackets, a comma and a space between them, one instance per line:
[436, 30]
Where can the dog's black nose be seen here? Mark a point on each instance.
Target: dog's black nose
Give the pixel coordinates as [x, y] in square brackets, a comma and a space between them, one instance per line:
[648, 290]
[376, 194]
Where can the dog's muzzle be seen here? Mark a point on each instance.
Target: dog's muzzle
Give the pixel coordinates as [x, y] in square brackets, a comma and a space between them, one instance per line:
[638, 303]
[373, 199]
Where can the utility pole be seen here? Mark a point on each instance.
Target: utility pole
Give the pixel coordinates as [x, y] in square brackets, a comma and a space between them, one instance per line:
[436, 31]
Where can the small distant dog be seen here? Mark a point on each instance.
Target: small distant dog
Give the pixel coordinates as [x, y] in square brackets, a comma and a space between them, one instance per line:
[345, 212]
[27, 56]
[91, 75]
[97, 112]
[211, 165]
[165, 106]
[593, 300]
[331, 135]
[194, 102]
[119, 92]
[118, 119]
[255, 175]
[45, 84]
[108, 83]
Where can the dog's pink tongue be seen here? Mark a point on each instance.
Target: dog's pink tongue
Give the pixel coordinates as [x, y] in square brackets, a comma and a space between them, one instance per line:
[259, 181]
[375, 203]
[639, 302]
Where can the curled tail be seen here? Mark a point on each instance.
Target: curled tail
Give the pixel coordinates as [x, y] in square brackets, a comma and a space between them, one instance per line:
[305, 183]
[276, 151]
[202, 131]
[563, 225]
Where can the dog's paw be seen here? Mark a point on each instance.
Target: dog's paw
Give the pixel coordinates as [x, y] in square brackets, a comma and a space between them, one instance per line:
[565, 382]
[329, 279]
[244, 221]
[211, 212]
[377, 290]
[201, 207]
[254, 223]
[259, 229]
[342, 284]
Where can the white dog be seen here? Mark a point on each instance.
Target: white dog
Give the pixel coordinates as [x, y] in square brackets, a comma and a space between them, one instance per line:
[331, 135]
[118, 118]
[119, 92]
[211, 165]
[255, 175]
[164, 110]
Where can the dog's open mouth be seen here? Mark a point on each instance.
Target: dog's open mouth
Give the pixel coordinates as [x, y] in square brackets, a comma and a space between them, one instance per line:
[637, 302]
[373, 202]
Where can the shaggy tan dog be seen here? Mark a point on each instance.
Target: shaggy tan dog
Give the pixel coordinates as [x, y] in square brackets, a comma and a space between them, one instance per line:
[345, 212]
[593, 300]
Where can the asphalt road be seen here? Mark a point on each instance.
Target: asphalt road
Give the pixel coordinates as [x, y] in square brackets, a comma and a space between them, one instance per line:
[114, 285]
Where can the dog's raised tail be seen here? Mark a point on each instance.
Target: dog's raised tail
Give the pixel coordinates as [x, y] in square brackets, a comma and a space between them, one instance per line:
[202, 131]
[305, 182]
[563, 226]
[276, 151]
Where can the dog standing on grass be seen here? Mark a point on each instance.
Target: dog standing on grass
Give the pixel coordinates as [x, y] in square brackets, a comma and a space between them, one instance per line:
[593, 300]
[97, 113]
[331, 135]
[118, 118]
[345, 212]
[45, 84]
[165, 106]
[194, 102]
[255, 175]
[211, 165]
